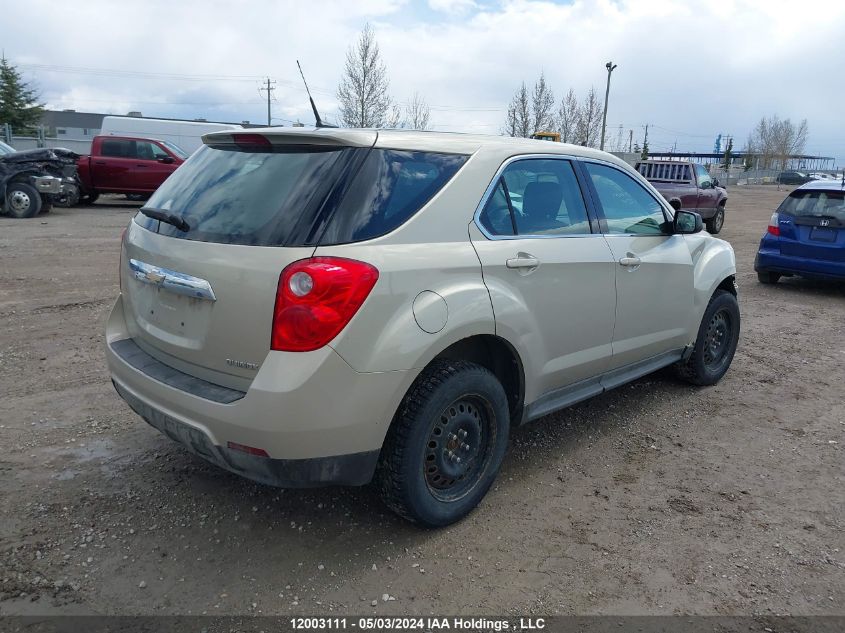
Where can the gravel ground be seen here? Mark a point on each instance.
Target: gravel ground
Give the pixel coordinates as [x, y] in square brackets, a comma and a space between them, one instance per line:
[656, 498]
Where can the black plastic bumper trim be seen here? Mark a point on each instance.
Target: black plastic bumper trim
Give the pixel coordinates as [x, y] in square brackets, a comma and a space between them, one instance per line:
[354, 469]
[129, 351]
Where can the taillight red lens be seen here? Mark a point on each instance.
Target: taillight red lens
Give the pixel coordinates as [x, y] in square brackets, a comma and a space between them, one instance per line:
[315, 300]
[251, 139]
[774, 224]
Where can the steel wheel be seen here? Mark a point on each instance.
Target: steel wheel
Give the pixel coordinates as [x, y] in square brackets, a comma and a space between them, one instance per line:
[459, 447]
[718, 336]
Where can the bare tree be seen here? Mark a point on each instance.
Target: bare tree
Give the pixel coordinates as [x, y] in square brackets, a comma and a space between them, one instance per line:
[542, 106]
[519, 119]
[363, 90]
[417, 113]
[775, 140]
[588, 127]
[393, 119]
[567, 117]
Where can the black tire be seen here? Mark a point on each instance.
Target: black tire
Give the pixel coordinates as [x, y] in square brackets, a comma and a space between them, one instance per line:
[714, 225]
[765, 277]
[90, 197]
[427, 473]
[716, 343]
[22, 200]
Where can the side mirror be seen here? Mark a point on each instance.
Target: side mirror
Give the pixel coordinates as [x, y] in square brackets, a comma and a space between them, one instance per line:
[687, 223]
[167, 160]
[715, 182]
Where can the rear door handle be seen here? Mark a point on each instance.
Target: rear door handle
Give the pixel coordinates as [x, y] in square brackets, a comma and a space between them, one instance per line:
[630, 261]
[524, 260]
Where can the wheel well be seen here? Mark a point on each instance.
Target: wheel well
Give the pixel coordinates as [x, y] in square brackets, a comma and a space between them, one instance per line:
[729, 284]
[723, 202]
[500, 358]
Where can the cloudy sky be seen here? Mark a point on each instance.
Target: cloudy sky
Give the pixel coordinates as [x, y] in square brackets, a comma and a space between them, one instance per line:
[691, 70]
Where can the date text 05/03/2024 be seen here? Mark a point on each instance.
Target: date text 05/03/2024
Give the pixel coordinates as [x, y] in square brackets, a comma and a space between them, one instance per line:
[417, 624]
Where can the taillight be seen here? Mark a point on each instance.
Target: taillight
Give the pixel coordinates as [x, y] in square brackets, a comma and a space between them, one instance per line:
[315, 300]
[774, 226]
[251, 140]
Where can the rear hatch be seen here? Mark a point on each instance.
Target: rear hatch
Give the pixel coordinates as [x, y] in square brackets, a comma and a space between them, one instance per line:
[812, 224]
[199, 296]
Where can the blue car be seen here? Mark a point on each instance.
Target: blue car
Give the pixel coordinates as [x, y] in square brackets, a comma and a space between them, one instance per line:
[806, 235]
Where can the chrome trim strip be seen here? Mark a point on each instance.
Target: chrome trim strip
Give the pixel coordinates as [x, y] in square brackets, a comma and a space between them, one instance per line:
[495, 181]
[171, 280]
[570, 157]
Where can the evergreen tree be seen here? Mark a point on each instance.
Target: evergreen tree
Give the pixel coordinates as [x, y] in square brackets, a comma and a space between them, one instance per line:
[726, 164]
[19, 105]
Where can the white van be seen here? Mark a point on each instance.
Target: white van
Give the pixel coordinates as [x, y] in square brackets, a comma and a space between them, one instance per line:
[185, 134]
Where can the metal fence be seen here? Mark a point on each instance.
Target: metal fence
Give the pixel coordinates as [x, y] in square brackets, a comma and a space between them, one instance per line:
[31, 142]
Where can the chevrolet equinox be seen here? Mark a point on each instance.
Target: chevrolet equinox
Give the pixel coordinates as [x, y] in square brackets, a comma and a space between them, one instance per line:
[339, 306]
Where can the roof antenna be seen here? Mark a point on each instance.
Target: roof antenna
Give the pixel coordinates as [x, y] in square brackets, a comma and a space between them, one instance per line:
[310, 98]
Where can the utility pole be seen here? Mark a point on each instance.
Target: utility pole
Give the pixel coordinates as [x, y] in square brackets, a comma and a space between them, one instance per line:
[610, 68]
[270, 87]
[645, 143]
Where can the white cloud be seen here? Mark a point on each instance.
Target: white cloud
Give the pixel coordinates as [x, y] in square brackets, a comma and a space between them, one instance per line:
[696, 69]
[452, 6]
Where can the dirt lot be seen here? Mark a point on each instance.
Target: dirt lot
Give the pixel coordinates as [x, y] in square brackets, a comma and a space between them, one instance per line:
[656, 498]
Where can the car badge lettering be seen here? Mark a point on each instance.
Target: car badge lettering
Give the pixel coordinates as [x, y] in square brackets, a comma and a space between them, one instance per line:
[824, 222]
[242, 364]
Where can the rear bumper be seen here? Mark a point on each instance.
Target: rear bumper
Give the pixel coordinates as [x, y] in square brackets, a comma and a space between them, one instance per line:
[770, 260]
[318, 420]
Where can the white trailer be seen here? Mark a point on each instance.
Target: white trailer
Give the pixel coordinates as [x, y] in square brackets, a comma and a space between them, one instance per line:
[185, 134]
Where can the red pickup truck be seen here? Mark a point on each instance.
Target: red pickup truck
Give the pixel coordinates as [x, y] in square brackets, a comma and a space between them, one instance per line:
[692, 185]
[120, 164]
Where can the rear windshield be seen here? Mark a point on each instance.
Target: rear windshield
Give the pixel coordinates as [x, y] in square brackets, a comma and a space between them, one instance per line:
[803, 203]
[297, 196]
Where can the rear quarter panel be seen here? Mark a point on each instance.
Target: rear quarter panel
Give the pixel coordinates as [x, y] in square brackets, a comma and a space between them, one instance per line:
[430, 252]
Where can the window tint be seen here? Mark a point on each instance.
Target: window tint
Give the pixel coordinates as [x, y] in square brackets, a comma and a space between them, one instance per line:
[829, 204]
[289, 195]
[391, 186]
[117, 149]
[627, 206]
[237, 195]
[496, 217]
[545, 199]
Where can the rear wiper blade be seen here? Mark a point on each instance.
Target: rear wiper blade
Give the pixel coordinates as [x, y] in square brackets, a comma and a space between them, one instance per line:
[165, 216]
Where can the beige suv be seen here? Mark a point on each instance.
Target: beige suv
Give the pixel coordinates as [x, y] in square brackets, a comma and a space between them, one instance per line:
[312, 307]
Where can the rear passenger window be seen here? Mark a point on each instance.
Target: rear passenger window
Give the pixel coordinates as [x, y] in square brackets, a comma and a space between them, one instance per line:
[390, 187]
[496, 217]
[544, 199]
[118, 149]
